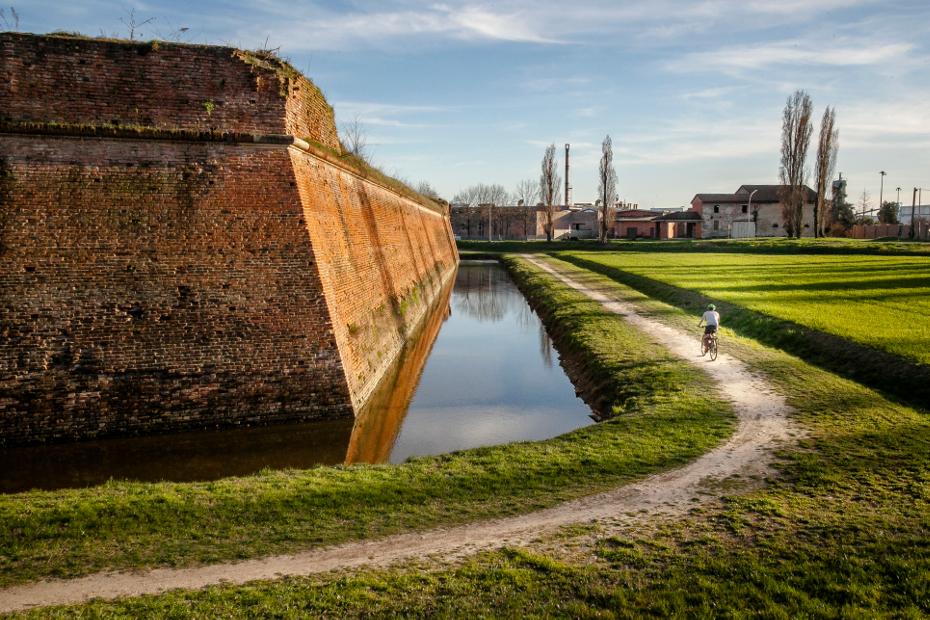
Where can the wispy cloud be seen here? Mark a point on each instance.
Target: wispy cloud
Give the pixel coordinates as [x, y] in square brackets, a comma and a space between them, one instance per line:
[387, 114]
[790, 53]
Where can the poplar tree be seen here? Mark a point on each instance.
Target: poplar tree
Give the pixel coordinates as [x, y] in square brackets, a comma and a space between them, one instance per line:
[795, 139]
[827, 148]
[549, 183]
[607, 185]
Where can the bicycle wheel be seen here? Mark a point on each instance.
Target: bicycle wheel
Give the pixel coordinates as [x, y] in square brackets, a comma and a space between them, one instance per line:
[712, 349]
[703, 347]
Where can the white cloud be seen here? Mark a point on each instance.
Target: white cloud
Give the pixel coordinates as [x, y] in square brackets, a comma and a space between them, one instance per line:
[789, 52]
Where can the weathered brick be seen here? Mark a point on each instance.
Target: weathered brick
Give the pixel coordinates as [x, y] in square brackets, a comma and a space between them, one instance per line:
[158, 284]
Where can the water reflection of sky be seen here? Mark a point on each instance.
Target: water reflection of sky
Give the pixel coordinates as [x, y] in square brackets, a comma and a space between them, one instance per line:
[490, 378]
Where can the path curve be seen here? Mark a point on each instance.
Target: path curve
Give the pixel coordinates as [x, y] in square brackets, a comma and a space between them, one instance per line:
[763, 426]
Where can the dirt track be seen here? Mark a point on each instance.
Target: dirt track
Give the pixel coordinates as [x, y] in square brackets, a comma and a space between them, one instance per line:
[763, 426]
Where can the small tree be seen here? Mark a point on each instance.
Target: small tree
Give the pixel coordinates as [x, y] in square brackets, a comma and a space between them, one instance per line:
[607, 185]
[549, 183]
[888, 213]
[795, 138]
[424, 188]
[865, 204]
[827, 148]
[355, 139]
[132, 25]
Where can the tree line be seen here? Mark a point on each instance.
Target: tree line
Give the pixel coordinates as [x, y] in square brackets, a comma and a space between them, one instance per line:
[546, 192]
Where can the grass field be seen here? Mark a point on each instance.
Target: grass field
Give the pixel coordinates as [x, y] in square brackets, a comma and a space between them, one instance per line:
[758, 245]
[880, 301]
[668, 419]
[844, 531]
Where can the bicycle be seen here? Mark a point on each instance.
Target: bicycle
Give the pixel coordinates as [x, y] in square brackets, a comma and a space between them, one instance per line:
[709, 345]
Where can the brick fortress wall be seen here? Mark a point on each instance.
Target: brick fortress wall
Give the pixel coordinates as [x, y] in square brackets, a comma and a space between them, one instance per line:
[165, 274]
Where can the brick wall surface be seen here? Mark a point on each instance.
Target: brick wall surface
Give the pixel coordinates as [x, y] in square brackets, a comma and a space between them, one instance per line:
[164, 85]
[383, 258]
[153, 285]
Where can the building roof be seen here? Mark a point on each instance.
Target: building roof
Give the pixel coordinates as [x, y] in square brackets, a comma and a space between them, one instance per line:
[635, 214]
[769, 193]
[709, 198]
[680, 216]
[763, 194]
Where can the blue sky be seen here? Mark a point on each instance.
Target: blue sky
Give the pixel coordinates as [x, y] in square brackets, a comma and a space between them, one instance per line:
[457, 93]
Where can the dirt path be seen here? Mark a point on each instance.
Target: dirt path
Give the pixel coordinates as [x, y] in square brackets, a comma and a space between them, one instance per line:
[763, 425]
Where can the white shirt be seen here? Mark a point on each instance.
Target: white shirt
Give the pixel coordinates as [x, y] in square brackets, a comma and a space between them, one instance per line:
[711, 318]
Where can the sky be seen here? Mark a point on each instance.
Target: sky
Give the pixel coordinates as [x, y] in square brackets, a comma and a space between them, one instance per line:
[691, 93]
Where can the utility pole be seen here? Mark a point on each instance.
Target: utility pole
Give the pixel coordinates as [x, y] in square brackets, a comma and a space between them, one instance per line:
[567, 186]
[913, 213]
[490, 222]
[899, 198]
[881, 188]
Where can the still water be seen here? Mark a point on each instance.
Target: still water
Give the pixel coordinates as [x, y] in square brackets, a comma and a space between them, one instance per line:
[481, 372]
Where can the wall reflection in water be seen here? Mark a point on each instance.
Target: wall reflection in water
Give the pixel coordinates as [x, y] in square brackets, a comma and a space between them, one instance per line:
[480, 371]
[491, 376]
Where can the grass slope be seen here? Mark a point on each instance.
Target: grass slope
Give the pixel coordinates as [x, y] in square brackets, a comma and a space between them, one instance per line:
[843, 532]
[865, 317]
[666, 421]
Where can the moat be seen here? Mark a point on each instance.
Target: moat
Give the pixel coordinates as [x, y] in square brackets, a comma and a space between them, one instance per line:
[482, 371]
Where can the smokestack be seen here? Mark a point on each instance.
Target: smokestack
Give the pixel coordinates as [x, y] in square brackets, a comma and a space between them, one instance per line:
[567, 186]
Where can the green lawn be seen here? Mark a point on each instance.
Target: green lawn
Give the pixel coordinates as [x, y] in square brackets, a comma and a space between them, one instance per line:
[775, 245]
[844, 531]
[668, 418]
[880, 301]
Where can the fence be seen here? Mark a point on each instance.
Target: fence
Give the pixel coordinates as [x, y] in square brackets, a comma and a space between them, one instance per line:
[901, 231]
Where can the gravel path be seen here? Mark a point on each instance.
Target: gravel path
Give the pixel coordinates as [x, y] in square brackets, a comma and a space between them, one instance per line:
[763, 426]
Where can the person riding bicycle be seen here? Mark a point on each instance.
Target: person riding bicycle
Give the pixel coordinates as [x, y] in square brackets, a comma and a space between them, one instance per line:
[710, 320]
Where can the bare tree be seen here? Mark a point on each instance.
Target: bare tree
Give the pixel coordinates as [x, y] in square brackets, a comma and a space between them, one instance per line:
[865, 206]
[485, 198]
[526, 195]
[9, 18]
[526, 192]
[482, 194]
[549, 183]
[607, 185]
[130, 22]
[795, 138]
[827, 147]
[424, 188]
[355, 139]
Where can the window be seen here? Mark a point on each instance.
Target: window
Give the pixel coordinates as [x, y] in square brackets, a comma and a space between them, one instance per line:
[745, 208]
[716, 208]
[775, 225]
[716, 224]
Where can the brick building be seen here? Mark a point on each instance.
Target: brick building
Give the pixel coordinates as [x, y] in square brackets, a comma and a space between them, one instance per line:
[522, 223]
[751, 211]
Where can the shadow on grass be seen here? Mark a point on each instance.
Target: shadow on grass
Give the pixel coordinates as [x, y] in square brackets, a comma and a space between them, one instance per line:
[895, 376]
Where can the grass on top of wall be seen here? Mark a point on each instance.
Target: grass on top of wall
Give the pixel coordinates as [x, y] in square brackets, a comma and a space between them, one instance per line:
[669, 417]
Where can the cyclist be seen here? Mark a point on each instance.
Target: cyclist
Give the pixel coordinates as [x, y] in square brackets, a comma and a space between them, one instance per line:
[710, 320]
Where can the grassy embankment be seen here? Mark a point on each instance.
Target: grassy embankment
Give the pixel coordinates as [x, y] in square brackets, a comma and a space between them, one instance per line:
[842, 532]
[867, 317]
[666, 420]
